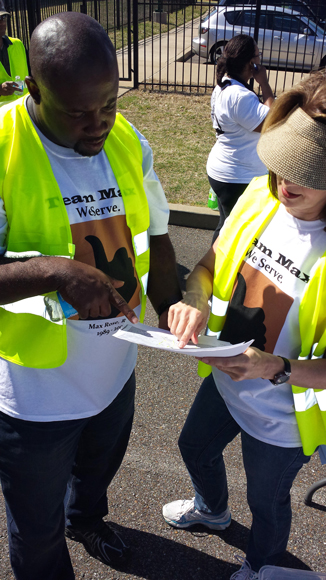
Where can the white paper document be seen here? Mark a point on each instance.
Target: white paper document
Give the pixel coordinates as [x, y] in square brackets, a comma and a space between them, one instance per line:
[164, 340]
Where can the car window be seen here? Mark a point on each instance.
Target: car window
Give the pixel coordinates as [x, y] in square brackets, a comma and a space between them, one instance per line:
[297, 5]
[232, 17]
[287, 23]
[238, 2]
[248, 17]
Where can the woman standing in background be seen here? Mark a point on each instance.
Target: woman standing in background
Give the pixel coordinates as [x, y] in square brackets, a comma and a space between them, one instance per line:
[237, 116]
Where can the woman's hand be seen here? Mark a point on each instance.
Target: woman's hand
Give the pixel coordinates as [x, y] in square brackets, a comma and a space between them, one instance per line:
[252, 364]
[187, 318]
[259, 73]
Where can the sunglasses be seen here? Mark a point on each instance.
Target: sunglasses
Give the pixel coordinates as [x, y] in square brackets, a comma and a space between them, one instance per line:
[3, 17]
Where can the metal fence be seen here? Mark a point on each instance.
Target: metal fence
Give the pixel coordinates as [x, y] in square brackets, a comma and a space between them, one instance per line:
[175, 44]
[178, 49]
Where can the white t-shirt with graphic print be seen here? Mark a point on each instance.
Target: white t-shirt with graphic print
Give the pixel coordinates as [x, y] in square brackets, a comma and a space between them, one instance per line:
[98, 365]
[265, 306]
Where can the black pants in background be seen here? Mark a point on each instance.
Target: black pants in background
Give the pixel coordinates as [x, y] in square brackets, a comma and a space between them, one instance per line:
[227, 196]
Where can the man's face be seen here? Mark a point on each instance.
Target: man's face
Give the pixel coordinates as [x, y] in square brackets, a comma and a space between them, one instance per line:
[79, 114]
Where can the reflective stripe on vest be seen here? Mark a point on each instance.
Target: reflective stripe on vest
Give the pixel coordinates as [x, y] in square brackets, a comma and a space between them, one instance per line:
[252, 213]
[38, 221]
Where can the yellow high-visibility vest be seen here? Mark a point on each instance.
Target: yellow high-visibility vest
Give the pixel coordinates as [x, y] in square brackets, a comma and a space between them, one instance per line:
[18, 67]
[250, 216]
[38, 221]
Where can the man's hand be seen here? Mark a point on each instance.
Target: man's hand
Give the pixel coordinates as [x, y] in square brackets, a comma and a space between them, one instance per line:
[188, 317]
[91, 292]
[252, 364]
[8, 88]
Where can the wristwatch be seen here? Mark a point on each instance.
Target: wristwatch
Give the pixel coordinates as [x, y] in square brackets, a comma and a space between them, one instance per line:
[283, 376]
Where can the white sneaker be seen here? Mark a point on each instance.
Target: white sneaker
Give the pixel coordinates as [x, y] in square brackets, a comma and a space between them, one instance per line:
[183, 514]
[245, 572]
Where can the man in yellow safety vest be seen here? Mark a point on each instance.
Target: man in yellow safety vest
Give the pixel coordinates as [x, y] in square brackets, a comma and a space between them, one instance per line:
[13, 62]
[83, 219]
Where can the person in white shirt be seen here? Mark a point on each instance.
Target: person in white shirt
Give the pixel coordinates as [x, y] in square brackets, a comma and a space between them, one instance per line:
[266, 278]
[237, 116]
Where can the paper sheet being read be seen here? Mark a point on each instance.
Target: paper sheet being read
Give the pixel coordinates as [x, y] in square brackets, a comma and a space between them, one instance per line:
[164, 340]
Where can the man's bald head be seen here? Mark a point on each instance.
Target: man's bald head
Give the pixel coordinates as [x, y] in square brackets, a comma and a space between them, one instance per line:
[67, 46]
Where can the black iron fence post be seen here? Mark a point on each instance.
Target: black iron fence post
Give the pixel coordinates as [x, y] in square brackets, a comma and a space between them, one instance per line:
[256, 30]
[118, 14]
[135, 44]
[257, 20]
[31, 15]
[95, 10]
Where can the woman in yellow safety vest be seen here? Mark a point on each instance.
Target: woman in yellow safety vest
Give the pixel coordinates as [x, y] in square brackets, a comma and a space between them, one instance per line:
[266, 278]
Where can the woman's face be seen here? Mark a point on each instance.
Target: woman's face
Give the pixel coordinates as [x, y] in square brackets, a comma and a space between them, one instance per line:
[301, 202]
[255, 60]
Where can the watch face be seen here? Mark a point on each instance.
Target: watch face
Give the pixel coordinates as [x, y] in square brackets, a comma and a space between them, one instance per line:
[281, 378]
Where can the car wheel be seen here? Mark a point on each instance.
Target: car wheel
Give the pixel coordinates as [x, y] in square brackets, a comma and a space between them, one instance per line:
[323, 62]
[217, 51]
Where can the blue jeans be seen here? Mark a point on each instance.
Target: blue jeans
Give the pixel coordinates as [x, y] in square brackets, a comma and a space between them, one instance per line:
[46, 465]
[270, 472]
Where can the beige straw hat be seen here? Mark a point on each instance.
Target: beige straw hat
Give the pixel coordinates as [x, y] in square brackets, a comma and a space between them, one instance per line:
[295, 149]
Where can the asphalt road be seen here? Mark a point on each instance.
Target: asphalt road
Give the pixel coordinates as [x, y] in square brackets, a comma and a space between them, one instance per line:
[153, 474]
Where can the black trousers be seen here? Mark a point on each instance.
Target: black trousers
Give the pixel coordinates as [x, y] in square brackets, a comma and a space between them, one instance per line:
[227, 196]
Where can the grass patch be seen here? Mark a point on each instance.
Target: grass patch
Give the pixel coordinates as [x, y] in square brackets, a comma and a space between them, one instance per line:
[148, 28]
[179, 130]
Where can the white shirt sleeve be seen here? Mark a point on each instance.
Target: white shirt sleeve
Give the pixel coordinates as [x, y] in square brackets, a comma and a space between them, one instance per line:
[247, 110]
[158, 205]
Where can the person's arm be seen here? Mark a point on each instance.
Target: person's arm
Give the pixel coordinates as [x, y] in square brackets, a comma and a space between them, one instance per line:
[260, 76]
[86, 288]
[255, 364]
[163, 283]
[189, 317]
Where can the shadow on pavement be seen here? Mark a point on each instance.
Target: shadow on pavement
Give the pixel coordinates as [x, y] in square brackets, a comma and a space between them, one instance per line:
[164, 559]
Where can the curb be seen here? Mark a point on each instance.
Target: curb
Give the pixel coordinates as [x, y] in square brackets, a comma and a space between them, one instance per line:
[191, 216]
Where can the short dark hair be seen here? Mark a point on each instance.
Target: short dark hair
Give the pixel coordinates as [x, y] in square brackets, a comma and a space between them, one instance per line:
[67, 42]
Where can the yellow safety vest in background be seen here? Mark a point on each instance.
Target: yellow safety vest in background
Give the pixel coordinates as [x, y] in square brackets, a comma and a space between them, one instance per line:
[18, 67]
[38, 221]
[250, 216]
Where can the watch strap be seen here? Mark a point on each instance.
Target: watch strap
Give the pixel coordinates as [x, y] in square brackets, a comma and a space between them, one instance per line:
[287, 364]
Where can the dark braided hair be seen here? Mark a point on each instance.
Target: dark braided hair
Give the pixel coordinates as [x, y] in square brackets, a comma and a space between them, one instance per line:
[237, 53]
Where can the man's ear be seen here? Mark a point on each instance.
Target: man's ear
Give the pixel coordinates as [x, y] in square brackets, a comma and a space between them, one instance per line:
[33, 89]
